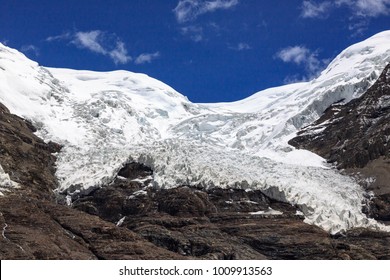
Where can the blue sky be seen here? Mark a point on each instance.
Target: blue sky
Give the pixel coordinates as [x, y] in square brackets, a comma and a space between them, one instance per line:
[210, 51]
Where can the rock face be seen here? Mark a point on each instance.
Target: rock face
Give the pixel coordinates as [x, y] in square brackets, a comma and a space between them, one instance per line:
[34, 226]
[354, 134]
[356, 137]
[26, 157]
[130, 219]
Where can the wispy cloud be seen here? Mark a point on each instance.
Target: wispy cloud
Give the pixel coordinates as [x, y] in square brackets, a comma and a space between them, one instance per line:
[358, 26]
[98, 42]
[241, 47]
[146, 58]
[30, 49]
[119, 54]
[315, 10]
[361, 8]
[360, 11]
[366, 8]
[195, 33]
[61, 37]
[91, 40]
[302, 56]
[189, 10]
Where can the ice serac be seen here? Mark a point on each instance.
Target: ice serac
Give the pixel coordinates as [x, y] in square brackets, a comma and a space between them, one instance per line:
[104, 120]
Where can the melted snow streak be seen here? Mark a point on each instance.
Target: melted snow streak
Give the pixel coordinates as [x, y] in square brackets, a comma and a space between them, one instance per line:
[107, 119]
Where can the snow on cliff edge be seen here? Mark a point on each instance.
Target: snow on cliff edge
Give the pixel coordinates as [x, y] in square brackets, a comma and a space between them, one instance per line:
[106, 119]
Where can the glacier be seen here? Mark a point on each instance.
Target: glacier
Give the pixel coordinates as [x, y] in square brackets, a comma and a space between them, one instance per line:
[107, 119]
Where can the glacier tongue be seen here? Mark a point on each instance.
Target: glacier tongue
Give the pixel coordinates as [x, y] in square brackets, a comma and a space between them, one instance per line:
[327, 198]
[107, 119]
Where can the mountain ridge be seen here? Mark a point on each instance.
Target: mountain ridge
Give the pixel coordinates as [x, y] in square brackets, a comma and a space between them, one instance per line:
[104, 121]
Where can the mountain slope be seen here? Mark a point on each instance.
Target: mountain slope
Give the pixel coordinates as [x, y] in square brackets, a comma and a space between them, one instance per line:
[355, 133]
[355, 137]
[105, 120]
[126, 221]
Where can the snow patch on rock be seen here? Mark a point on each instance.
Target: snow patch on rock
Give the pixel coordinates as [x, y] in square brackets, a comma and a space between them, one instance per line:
[6, 184]
[269, 211]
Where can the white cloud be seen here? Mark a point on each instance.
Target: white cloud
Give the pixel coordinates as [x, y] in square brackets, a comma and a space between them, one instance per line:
[188, 10]
[31, 49]
[360, 8]
[358, 27]
[119, 54]
[241, 47]
[90, 40]
[363, 11]
[211, 6]
[296, 54]
[62, 37]
[98, 42]
[146, 58]
[303, 56]
[315, 10]
[367, 8]
[195, 33]
[360, 11]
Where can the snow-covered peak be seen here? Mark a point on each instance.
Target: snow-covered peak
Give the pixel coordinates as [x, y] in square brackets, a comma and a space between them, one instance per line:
[363, 60]
[279, 112]
[358, 59]
[88, 82]
[105, 119]
[119, 96]
[20, 78]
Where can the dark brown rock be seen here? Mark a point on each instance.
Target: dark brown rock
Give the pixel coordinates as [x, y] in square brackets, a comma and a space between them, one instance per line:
[184, 201]
[24, 156]
[134, 170]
